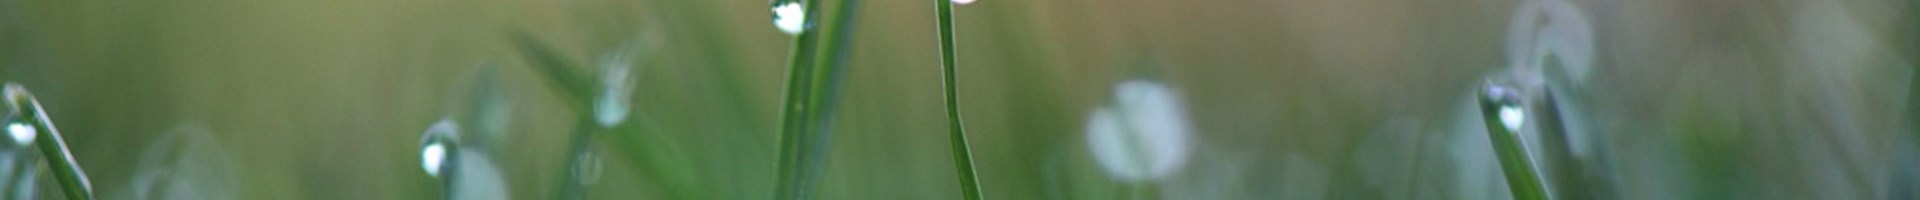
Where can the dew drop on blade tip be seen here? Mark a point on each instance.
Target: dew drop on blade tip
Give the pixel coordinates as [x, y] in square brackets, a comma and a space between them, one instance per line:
[789, 16]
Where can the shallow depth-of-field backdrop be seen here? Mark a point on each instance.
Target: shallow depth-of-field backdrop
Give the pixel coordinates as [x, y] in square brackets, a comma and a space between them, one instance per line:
[1283, 99]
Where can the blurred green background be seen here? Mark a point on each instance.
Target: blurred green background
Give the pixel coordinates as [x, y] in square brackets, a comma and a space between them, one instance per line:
[1287, 99]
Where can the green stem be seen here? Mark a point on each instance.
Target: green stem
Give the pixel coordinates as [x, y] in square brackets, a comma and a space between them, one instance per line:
[1522, 178]
[1571, 179]
[73, 180]
[806, 111]
[962, 151]
[558, 71]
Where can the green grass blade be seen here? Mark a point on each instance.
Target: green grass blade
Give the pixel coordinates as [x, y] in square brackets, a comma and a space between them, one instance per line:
[558, 70]
[796, 157]
[1522, 178]
[1567, 174]
[962, 151]
[73, 180]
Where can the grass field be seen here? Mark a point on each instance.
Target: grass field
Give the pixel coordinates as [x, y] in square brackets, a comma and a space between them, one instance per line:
[1281, 99]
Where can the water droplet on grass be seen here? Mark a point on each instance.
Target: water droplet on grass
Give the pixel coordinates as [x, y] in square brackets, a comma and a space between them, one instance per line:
[790, 16]
[21, 133]
[1512, 115]
[436, 147]
[23, 108]
[432, 157]
[962, 2]
[616, 95]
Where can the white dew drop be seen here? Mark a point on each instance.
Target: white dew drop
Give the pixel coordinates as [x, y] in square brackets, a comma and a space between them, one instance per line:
[21, 133]
[962, 2]
[436, 146]
[1143, 137]
[24, 107]
[789, 16]
[432, 157]
[613, 104]
[1512, 117]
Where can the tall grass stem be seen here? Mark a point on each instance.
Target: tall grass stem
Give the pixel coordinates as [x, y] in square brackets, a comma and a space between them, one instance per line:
[1523, 179]
[807, 108]
[962, 151]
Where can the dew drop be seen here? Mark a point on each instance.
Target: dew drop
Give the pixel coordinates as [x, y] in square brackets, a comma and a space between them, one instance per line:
[1512, 117]
[962, 2]
[1509, 110]
[613, 104]
[432, 157]
[790, 16]
[436, 147]
[21, 133]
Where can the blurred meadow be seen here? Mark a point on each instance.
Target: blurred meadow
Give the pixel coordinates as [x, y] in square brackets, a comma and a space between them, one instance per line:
[1282, 99]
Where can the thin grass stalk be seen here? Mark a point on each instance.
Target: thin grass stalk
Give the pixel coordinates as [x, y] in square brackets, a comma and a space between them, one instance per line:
[559, 72]
[1569, 176]
[824, 77]
[800, 150]
[1522, 178]
[962, 151]
[73, 180]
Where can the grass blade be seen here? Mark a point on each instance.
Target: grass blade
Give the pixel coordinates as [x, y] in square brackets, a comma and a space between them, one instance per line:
[73, 180]
[806, 110]
[962, 151]
[1570, 178]
[1522, 178]
[644, 148]
[558, 70]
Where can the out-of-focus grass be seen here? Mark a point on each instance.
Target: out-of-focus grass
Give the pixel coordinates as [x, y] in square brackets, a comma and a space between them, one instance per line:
[322, 99]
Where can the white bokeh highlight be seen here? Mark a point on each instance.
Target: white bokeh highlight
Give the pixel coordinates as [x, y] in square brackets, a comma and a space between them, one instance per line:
[1143, 137]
